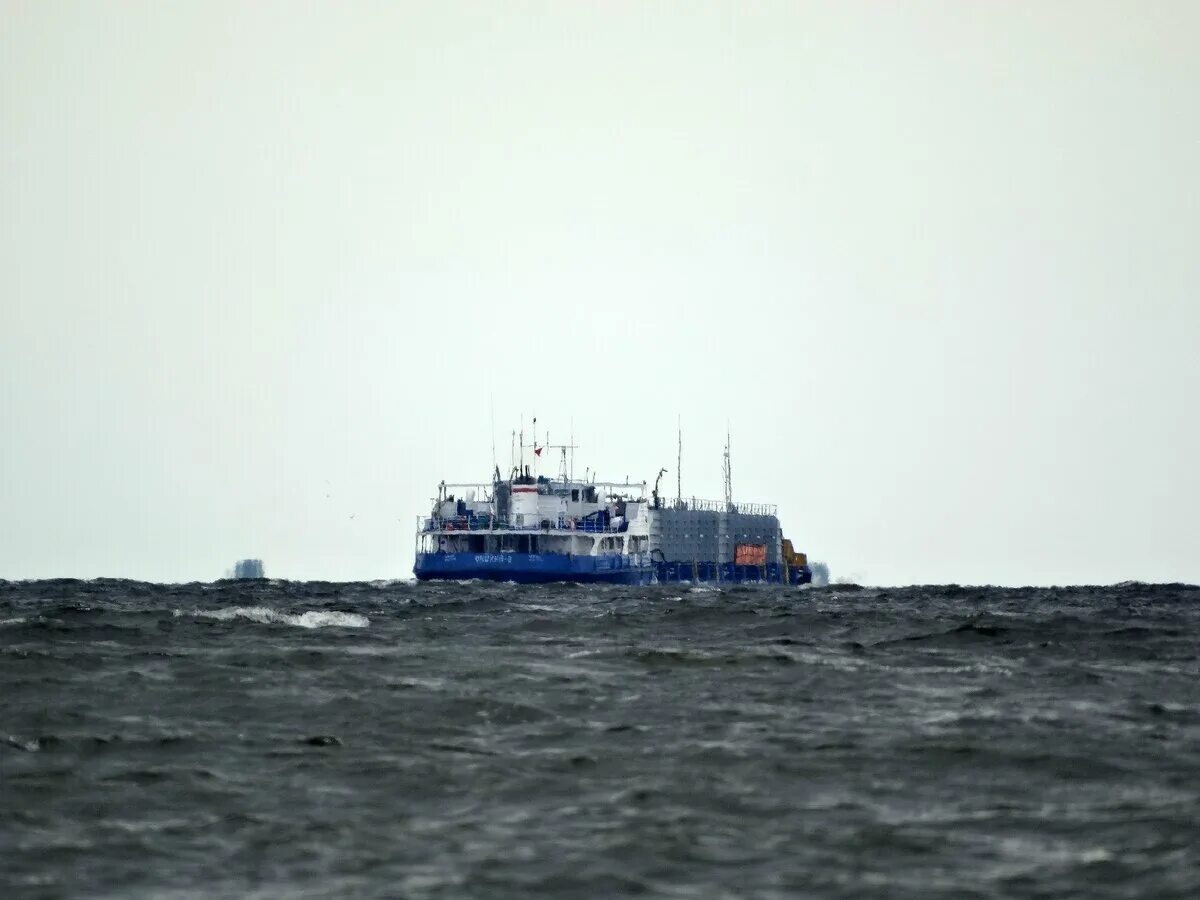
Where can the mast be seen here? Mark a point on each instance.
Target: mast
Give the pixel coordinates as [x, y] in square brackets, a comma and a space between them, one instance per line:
[492, 405]
[679, 465]
[566, 464]
[728, 473]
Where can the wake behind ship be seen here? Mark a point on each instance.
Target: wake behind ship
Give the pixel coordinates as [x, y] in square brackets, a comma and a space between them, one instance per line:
[530, 528]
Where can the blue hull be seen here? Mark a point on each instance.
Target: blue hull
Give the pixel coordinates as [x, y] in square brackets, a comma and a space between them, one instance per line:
[728, 573]
[532, 568]
[540, 568]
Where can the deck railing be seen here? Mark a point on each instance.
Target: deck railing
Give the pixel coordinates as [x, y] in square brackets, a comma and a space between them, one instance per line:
[743, 509]
[483, 522]
[477, 523]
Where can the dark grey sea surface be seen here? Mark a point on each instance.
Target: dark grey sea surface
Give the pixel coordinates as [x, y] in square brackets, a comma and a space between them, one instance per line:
[469, 740]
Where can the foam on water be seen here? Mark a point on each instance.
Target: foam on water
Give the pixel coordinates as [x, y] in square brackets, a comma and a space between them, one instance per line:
[265, 616]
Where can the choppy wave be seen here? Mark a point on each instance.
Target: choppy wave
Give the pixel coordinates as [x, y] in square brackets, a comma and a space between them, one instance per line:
[496, 740]
[266, 616]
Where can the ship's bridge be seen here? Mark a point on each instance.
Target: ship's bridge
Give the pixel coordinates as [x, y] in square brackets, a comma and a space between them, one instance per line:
[531, 515]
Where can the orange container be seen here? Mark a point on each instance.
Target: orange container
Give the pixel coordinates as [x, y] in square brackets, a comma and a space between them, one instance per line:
[750, 555]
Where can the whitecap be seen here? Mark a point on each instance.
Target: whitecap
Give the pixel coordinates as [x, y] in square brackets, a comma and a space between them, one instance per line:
[17, 621]
[265, 616]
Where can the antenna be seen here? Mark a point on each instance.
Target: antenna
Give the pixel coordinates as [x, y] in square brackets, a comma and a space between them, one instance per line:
[679, 465]
[492, 405]
[566, 464]
[728, 472]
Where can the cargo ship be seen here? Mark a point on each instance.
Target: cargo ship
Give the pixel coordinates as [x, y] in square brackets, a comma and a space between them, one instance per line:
[530, 528]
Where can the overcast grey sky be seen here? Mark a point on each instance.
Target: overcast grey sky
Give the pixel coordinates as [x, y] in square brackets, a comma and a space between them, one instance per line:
[264, 265]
